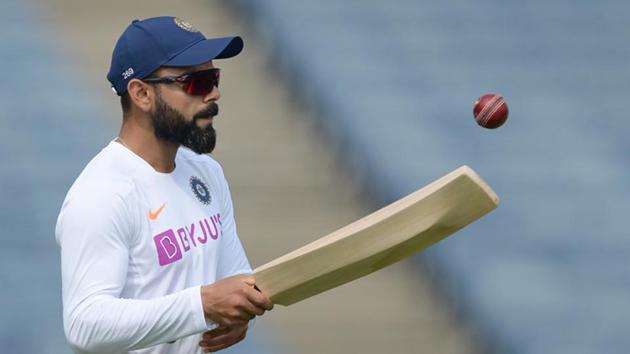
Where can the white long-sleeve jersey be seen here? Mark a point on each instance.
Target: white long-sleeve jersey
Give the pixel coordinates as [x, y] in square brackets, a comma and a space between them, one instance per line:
[136, 245]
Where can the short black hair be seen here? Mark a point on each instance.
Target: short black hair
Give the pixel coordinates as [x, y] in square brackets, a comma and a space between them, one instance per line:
[125, 102]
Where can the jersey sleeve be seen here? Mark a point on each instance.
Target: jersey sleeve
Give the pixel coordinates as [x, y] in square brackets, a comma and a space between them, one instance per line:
[95, 230]
[232, 258]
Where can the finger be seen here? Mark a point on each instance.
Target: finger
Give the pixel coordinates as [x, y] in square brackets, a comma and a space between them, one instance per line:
[234, 331]
[251, 309]
[229, 337]
[259, 299]
[216, 347]
[247, 306]
[215, 332]
[235, 321]
[267, 302]
[240, 314]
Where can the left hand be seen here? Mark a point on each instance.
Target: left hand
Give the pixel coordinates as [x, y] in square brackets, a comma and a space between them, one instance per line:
[222, 337]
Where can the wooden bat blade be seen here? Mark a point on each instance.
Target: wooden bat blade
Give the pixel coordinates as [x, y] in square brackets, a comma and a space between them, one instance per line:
[386, 236]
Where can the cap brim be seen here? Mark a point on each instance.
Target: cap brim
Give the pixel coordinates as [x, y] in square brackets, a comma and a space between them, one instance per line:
[206, 50]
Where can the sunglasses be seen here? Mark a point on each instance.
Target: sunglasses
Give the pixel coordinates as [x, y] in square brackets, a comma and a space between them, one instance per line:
[198, 83]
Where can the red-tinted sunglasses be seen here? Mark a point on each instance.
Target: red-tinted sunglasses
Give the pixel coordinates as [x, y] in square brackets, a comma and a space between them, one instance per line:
[198, 83]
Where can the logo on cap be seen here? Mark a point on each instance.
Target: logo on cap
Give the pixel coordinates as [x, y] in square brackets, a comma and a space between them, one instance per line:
[185, 25]
[127, 73]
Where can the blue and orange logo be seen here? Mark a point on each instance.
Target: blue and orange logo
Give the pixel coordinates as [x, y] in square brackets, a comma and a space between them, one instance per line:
[200, 190]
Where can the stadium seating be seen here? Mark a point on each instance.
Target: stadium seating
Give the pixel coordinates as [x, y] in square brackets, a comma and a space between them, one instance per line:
[393, 84]
[51, 126]
[42, 152]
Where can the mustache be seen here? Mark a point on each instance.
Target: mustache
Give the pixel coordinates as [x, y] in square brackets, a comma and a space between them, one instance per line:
[211, 111]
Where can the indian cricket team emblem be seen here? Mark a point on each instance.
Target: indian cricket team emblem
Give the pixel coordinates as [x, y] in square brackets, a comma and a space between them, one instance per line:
[200, 190]
[186, 26]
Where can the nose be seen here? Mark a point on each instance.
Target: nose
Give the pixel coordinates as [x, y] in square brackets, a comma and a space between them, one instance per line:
[214, 95]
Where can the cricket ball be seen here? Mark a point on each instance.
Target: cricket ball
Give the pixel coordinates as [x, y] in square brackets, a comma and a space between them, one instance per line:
[490, 111]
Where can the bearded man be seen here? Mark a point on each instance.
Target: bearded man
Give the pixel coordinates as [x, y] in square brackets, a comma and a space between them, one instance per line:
[150, 258]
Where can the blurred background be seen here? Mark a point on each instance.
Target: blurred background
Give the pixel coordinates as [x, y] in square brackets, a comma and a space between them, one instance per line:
[334, 109]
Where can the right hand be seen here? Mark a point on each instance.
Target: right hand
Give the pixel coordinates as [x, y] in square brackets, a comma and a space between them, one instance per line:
[233, 301]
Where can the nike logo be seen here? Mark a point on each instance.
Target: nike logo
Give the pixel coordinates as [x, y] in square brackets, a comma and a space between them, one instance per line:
[154, 214]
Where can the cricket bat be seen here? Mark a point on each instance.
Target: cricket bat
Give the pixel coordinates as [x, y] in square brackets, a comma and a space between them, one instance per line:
[384, 237]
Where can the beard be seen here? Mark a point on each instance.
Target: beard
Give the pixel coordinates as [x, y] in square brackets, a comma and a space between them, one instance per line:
[171, 126]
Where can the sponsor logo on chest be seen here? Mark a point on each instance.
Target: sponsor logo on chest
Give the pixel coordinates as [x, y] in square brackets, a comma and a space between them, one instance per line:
[174, 244]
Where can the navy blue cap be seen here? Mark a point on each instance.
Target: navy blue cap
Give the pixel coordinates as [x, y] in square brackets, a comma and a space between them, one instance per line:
[148, 44]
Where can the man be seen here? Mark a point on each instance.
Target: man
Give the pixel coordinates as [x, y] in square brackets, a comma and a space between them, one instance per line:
[150, 256]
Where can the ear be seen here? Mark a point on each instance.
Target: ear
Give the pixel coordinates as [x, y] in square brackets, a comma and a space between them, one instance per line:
[141, 94]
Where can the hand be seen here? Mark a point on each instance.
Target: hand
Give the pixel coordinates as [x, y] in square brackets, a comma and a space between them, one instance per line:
[222, 337]
[233, 301]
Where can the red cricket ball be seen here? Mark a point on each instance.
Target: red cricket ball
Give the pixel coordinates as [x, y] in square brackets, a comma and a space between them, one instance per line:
[490, 111]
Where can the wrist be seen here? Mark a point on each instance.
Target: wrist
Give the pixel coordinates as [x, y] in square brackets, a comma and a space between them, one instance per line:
[205, 306]
[204, 298]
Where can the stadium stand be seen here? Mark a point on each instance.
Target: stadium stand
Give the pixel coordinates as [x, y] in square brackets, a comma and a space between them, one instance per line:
[42, 152]
[51, 126]
[393, 85]
[394, 82]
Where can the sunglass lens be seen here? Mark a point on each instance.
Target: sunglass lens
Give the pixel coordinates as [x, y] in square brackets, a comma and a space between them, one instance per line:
[203, 83]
